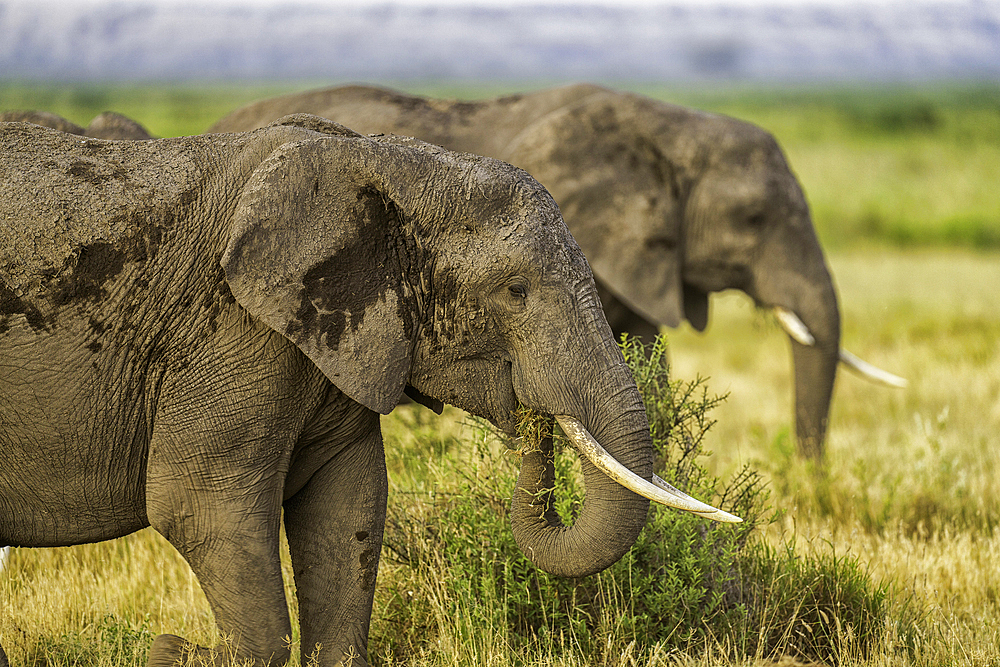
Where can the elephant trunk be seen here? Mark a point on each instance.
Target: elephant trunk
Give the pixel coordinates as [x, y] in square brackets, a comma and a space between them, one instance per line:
[814, 330]
[619, 484]
[815, 372]
[816, 353]
[611, 517]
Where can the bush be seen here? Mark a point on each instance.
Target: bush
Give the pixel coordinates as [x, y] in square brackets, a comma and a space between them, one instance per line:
[460, 587]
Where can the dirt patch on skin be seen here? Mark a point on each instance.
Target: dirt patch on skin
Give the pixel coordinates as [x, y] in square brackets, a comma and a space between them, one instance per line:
[339, 290]
[94, 174]
[11, 304]
[96, 205]
[101, 262]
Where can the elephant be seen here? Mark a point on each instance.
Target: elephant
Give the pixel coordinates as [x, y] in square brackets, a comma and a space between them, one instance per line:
[200, 334]
[106, 125]
[668, 204]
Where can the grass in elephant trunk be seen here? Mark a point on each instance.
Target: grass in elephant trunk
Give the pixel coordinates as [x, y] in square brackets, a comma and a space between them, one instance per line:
[459, 590]
[532, 428]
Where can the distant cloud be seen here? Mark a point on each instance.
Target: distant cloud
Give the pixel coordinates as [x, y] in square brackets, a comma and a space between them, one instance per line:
[679, 40]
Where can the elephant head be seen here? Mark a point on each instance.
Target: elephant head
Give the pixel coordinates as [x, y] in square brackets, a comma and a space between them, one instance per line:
[668, 204]
[484, 302]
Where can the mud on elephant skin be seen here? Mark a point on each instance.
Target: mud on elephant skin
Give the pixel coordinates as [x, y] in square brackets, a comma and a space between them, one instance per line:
[201, 333]
[669, 204]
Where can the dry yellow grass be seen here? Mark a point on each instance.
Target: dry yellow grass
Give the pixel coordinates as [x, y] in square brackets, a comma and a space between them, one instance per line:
[913, 489]
[932, 317]
[914, 475]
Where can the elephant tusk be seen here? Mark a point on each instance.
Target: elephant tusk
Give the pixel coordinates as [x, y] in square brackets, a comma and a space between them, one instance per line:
[793, 326]
[715, 514]
[657, 490]
[798, 331]
[870, 372]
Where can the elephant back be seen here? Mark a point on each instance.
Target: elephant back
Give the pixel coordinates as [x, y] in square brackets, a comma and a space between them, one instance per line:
[92, 200]
[454, 124]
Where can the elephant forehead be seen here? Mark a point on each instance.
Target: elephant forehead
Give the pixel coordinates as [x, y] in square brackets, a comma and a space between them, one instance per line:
[760, 188]
[500, 191]
[517, 247]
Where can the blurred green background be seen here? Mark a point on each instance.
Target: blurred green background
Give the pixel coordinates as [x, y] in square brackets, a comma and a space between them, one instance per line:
[896, 165]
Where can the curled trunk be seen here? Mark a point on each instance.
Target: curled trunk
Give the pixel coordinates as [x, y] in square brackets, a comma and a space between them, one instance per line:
[609, 520]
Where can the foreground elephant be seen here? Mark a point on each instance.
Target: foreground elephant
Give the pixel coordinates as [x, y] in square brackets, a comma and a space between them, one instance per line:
[199, 333]
[668, 204]
[106, 125]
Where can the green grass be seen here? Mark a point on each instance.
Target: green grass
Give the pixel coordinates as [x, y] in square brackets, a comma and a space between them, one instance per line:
[685, 587]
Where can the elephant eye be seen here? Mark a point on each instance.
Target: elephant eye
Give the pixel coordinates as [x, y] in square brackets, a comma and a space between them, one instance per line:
[518, 290]
[757, 220]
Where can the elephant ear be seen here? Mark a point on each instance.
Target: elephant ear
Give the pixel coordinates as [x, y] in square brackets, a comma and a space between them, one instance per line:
[619, 195]
[310, 256]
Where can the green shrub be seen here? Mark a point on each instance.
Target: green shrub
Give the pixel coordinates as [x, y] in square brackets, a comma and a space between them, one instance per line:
[109, 641]
[687, 584]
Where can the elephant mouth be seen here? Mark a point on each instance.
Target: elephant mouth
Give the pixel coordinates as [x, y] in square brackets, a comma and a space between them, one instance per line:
[503, 399]
[717, 276]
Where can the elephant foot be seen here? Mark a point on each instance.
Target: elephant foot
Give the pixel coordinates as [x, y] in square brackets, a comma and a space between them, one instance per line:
[174, 651]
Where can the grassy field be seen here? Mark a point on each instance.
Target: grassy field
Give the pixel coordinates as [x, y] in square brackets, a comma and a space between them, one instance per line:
[892, 554]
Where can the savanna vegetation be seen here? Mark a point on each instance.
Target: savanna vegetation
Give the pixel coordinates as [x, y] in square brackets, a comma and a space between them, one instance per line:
[890, 555]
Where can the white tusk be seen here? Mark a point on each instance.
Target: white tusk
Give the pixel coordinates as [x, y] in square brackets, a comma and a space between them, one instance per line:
[873, 373]
[657, 490]
[4, 553]
[715, 515]
[793, 326]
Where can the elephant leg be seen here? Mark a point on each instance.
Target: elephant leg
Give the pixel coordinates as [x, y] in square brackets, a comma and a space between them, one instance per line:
[171, 651]
[334, 527]
[226, 523]
[3, 658]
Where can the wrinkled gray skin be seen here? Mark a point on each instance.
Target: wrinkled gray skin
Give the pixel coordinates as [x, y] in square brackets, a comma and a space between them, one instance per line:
[668, 204]
[106, 125]
[199, 333]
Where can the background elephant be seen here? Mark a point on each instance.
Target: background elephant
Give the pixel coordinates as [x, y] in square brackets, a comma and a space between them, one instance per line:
[668, 204]
[106, 125]
[199, 333]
